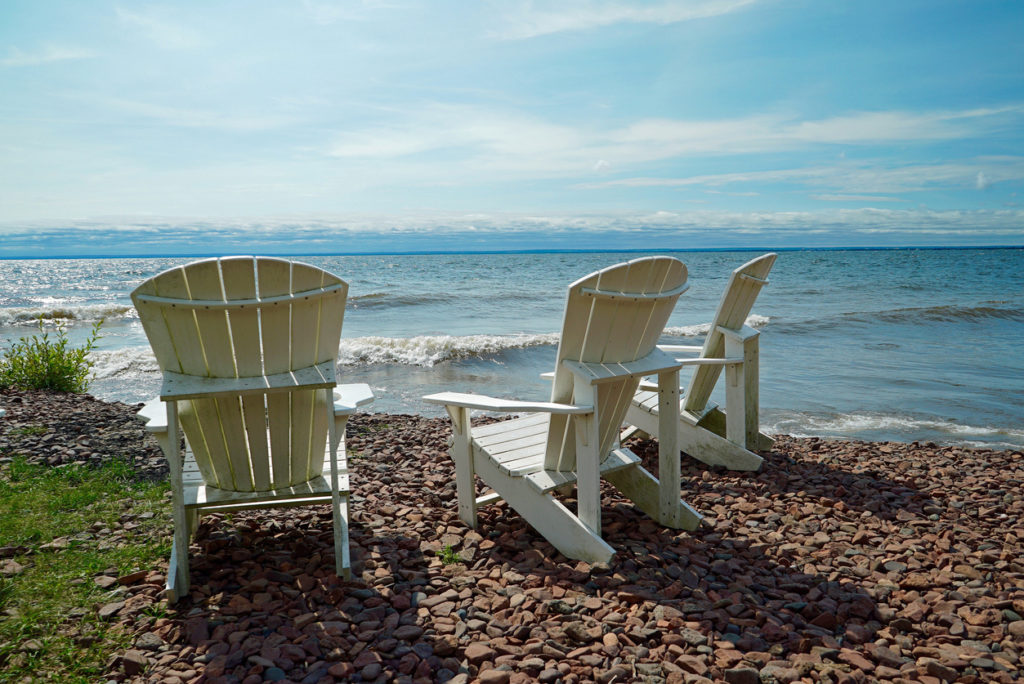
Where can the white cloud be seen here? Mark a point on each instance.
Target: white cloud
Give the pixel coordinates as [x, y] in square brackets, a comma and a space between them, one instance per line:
[326, 12]
[856, 198]
[982, 182]
[497, 140]
[673, 137]
[45, 55]
[854, 179]
[165, 32]
[1008, 222]
[184, 117]
[480, 139]
[525, 21]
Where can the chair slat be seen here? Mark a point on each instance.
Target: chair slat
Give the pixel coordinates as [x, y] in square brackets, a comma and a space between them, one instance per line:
[303, 404]
[239, 281]
[274, 279]
[279, 420]
[733, 310]
[206, 434]
[181, 325]
[306, 316]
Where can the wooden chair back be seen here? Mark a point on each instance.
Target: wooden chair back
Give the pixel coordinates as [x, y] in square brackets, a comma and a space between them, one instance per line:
[614, 315]
[741, 292]
[248, 317]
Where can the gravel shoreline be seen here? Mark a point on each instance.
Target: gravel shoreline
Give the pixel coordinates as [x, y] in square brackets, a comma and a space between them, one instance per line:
[839, 562]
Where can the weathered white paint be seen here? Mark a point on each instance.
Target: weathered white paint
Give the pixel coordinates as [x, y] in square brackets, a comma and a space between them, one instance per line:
[248, 350]
[613, 319]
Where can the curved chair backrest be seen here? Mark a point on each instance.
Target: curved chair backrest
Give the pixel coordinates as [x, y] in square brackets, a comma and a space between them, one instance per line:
[614, 315]
[248, 317]
[741, 292]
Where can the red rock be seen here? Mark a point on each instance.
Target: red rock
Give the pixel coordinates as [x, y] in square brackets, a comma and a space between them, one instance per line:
[856, 660]
[134, 662]
[341, 670]
[495, 677]
[479, 652]
[133, 577]
[742, 675]
[110, 609]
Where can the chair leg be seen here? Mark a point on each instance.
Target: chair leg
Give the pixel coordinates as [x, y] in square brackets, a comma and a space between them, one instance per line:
[339, 500]
[342, 559]
[644, 490]
[547, 515]
[178, 571]
[465, 475]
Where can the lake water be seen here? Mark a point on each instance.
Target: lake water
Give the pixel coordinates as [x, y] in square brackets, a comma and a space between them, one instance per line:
[912, 344]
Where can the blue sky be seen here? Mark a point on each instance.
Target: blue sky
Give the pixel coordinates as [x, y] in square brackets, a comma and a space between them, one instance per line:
[317, 126]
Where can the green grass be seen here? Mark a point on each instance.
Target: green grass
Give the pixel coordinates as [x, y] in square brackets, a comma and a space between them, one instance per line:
[34, 430]
[449, 556]
[53, 600]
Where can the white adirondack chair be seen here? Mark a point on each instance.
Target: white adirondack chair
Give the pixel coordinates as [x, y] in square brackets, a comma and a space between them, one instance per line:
[248, 348]
[613, 319]
[705, 432]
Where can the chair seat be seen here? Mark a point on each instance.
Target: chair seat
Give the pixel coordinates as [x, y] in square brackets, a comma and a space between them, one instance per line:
[517, 446]
[200, 495]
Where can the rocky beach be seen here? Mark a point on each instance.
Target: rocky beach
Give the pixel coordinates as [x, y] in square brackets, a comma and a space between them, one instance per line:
[838, 562]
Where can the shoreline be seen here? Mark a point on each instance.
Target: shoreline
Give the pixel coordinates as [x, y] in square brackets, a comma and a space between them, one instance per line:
[839, 561]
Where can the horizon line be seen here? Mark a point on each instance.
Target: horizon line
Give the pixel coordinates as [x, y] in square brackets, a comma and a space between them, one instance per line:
[180, 255]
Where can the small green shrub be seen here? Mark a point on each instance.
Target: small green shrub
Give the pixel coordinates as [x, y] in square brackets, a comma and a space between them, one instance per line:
[449, 556]
[42, 362]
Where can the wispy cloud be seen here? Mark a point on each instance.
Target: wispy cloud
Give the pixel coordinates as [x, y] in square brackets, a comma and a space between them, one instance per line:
[501, 142]
[860, 178]
[857, 198]
[45, 55]
[329, 12]
[162, 30]
[663, 138]
[526, 21]
[185, 117]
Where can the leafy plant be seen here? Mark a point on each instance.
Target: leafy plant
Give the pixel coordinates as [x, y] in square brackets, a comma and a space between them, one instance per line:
[45, 362]
[449, 556]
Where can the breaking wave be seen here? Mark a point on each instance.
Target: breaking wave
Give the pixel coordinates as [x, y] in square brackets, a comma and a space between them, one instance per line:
[896, 427]
[28, 315]
[429, 350]
[128, 361]
[754, 321]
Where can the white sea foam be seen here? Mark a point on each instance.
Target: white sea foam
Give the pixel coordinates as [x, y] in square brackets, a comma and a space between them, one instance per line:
[753, 320]
[806, 425]
[55, 311]
[124, 362]
[428, 350]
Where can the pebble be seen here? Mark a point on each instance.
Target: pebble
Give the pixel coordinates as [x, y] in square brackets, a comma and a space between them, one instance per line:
[855, 559]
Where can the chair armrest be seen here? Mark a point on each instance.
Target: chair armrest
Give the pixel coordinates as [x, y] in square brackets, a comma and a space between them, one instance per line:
[711, 361]
[154, 415]
[485, 403]
[348, 398]
[680, 348]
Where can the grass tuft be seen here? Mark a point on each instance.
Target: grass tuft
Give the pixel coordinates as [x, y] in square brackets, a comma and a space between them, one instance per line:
[449, 556]
[45, 362]
[65, 525]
